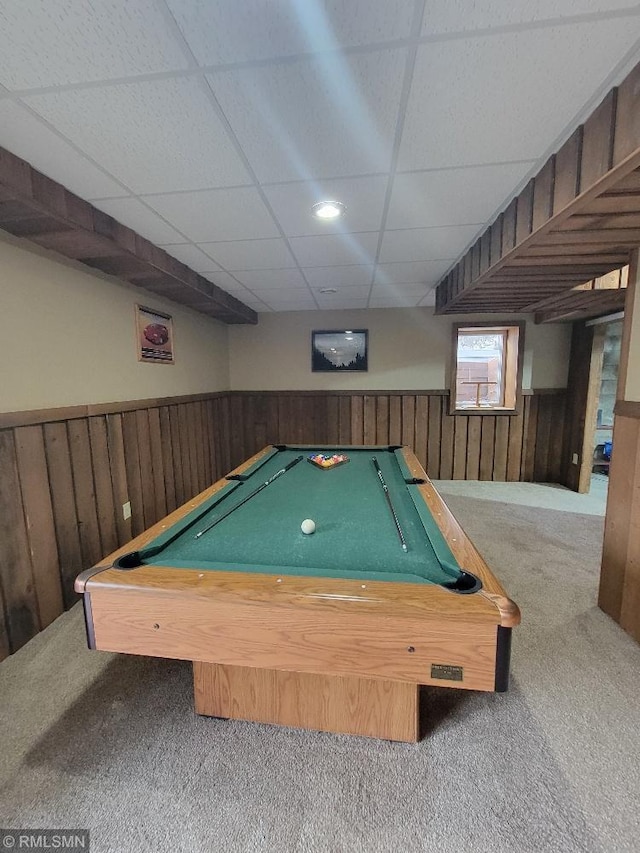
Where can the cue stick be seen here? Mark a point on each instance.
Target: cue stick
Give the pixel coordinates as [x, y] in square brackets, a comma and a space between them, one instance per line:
[385, 488]
[248, 497]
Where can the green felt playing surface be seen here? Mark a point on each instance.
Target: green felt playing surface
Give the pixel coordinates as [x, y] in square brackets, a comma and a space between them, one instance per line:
[355, 533]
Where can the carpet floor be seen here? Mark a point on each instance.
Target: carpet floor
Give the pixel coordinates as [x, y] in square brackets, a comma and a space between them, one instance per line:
[111, 743]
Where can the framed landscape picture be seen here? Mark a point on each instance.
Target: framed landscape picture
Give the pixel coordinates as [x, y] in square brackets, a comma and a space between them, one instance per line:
[154, 335]
[339, 350]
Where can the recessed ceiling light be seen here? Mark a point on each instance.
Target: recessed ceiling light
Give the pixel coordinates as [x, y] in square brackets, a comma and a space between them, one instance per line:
[328, 290]
[328, 209]
[348, 332]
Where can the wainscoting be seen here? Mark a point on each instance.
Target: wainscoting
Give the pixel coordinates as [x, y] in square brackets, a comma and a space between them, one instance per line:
[66, 473]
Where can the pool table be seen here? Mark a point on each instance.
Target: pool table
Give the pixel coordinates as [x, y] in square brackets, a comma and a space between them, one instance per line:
[335, 630]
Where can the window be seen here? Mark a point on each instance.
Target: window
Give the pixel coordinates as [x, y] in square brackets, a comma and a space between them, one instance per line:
[487, 367]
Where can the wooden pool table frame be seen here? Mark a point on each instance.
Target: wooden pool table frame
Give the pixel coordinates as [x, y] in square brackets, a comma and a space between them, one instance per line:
[321, 653]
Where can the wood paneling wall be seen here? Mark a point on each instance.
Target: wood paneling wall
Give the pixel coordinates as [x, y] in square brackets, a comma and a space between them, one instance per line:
[526, 446]
[65, 473]
[64, 479]
[620, 576]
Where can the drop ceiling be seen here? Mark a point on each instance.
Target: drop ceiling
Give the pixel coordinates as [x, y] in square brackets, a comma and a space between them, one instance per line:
[210, 127]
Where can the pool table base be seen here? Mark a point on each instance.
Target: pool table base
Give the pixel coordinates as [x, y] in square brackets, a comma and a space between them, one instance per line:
[351, 705]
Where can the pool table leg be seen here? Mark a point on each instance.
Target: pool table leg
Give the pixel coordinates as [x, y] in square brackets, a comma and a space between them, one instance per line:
[330, 703]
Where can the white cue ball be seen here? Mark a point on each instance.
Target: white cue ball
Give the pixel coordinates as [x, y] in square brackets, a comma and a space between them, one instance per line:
[308, 525]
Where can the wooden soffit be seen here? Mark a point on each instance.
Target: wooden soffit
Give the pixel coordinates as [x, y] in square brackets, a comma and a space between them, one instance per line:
[575, 221]
[38, 209]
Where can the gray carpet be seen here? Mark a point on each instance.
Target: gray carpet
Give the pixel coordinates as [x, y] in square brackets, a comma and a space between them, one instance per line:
[112, 743]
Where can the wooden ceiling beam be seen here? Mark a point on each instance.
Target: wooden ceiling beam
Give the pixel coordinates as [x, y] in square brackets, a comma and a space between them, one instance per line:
[581, 305]
[37, 208]
[583, 206]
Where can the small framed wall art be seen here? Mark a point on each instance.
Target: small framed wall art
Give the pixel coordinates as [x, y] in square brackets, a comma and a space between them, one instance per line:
[339, 350]
[154, 335]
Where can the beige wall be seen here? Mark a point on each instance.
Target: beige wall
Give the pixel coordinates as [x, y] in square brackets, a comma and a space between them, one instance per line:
[68, 337]
[408, 349]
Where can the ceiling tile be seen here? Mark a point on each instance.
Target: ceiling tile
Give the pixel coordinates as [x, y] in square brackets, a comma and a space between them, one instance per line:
[311, 119]
[400, 289]
[341, 302]
[393, 302]
[335, 249]
[58, 43]
[134, 214]
[485, 14]
[154, 136]
[338, 276]
[29, 138]
[230, 31]
[192, 257]
[225, 214]
[427, 272]
[259, 280]
[426, 244]
[359, 292]
[224, 280]
[363, 198]
[452, 196]
[474, 115]
[251, 254]
[292, 302]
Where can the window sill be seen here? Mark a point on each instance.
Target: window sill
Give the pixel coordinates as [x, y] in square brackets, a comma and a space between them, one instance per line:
[484, 410]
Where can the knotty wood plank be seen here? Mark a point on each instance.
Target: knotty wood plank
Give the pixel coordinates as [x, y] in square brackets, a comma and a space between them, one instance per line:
[186, 452]
[501, 447]
[567, 171]
[132, 467]
[460, 447]
[195, 454]
[16, 577]
[357, 419]
[177, 452]
[38, 514]
[627, 129]
[524, 212]
[543, 437]
[64, 508]
[555, 458]
[157, 462]
[529, 438]
[248, 426]
[436, 404]
[115, 440]
[101, 465]
[333, 420]
[509, 227]
[543, 194]
[395, 419]
[273, 432]
[474, 434]
[382, 420]
[447, 443]
[624, 476]
[84, 491]
[487, 446]
[369, 419]
[597, 142]
[408, 420]
[146, 467]
[421, 428]
[345, 433]
[496, 240]
[167, 455]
